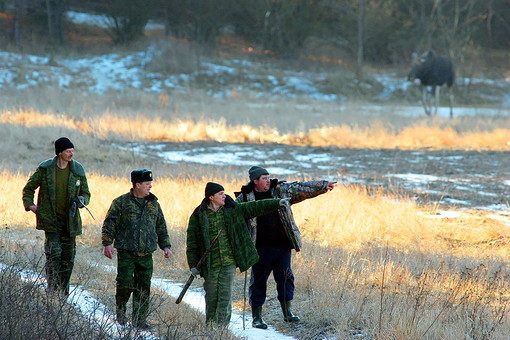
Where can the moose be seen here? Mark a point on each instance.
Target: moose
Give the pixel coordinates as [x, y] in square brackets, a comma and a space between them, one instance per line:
[433, 71]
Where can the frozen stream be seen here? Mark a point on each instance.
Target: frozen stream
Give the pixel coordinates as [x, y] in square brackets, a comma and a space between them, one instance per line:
[460, 178]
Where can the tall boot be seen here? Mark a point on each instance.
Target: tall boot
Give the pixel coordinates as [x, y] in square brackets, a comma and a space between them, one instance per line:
[287, 313]
[121, 315]
[256, 313]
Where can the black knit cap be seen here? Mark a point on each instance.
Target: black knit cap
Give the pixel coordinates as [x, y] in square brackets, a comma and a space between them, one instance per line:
[141, 175]
[61, 144]
[212, 188]
[256, 171]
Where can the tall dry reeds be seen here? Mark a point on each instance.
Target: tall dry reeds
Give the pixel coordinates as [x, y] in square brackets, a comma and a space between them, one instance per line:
[375, 136]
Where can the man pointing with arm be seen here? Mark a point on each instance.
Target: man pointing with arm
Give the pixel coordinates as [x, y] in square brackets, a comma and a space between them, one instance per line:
[275, 234]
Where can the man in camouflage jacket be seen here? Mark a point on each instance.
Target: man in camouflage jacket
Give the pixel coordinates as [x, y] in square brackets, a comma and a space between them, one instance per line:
[275, 234]
[135, 226]
[218, 224]
[62, 189]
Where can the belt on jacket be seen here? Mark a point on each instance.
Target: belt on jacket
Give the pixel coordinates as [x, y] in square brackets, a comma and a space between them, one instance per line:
[141, 253]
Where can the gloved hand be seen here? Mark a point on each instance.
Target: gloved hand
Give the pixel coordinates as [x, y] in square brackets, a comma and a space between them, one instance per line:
[80, 201]
[195, 272]
[284, 202]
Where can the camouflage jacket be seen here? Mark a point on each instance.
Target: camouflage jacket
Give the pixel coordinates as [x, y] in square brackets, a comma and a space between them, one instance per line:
[235, 214]
[135, 227]
[297, 192]
[44, 179]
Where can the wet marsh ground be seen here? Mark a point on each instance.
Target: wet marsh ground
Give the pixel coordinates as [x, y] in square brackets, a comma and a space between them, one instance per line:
[466, 179]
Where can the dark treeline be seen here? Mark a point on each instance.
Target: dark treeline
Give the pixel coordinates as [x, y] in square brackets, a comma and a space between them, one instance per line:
[370, 30]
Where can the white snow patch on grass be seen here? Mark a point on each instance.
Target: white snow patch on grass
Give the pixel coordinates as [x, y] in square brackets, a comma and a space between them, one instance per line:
[446, 214]
[417, 178]
[196, 299]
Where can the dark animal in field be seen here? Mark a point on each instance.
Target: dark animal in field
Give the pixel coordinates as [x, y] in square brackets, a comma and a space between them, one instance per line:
[433, 71]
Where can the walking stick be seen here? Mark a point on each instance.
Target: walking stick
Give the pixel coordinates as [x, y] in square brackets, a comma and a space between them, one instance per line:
[244, 298]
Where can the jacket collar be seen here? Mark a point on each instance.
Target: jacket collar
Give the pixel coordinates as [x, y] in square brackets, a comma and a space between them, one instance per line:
[150, 197]
[229, 204]
[249, 187]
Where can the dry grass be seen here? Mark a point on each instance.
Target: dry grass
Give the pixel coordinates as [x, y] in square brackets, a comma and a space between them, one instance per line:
[440, 276]
[348, 217]
[372, 262]
[376, 136]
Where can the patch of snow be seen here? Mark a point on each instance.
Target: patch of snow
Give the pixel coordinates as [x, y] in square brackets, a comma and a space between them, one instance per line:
[218, 158]
[450, 200]
[85, 303]
[501, 218]
[417, 178]
[280, 171]
[391, 84]
[196, 299]
[496, 207]
[507, 182]
[488, 194]
[446, 214]
[154, 25]
[314, 158]
[82, 18]
[215, 69]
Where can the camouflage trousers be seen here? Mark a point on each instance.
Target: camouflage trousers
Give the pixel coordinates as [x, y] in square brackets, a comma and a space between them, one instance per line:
[134, 275]
[60, 250]
[218, 294]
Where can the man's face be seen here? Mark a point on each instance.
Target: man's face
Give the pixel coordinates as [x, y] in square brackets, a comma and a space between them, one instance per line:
[144, 188]
[262, 184]
[66, 155]
[218, 198]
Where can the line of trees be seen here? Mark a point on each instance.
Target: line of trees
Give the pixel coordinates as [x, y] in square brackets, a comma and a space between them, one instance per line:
[371, 30]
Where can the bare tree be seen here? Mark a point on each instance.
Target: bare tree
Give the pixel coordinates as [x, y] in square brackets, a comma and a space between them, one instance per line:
[361, 25]
[55, 10]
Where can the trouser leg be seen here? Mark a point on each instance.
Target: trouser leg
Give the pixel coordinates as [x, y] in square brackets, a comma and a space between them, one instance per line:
[53, 252]
[218, 295]
[224, 305]
[283, 275]
[142, 289]
[125, 281]
[258, 278]
[68, 245]
[211, 294]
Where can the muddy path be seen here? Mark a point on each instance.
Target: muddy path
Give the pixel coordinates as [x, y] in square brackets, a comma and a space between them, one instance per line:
[460, 178]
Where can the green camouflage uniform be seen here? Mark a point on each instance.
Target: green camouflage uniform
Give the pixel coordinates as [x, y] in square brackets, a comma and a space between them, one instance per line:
[60, 231]
[135, 227]
[234, 248]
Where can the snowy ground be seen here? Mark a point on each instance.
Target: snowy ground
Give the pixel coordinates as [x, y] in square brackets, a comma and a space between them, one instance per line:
[458, 178]
[103, 318]
[117, 72]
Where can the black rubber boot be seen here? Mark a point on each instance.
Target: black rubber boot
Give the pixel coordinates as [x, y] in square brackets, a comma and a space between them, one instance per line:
[121, 316]
[287, 313]
[257, 322]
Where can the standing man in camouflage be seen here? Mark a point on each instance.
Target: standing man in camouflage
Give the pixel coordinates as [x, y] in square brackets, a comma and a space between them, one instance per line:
[135, 226]
[275, 234]
[218, 226]
[62, 189]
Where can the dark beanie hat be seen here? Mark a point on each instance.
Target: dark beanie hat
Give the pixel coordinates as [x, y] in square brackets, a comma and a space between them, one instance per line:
[212, 188]
[141, 175]
[256, 171]
[61, 144]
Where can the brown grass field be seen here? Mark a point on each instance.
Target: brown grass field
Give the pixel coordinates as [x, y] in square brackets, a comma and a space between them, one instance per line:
[373, 264]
